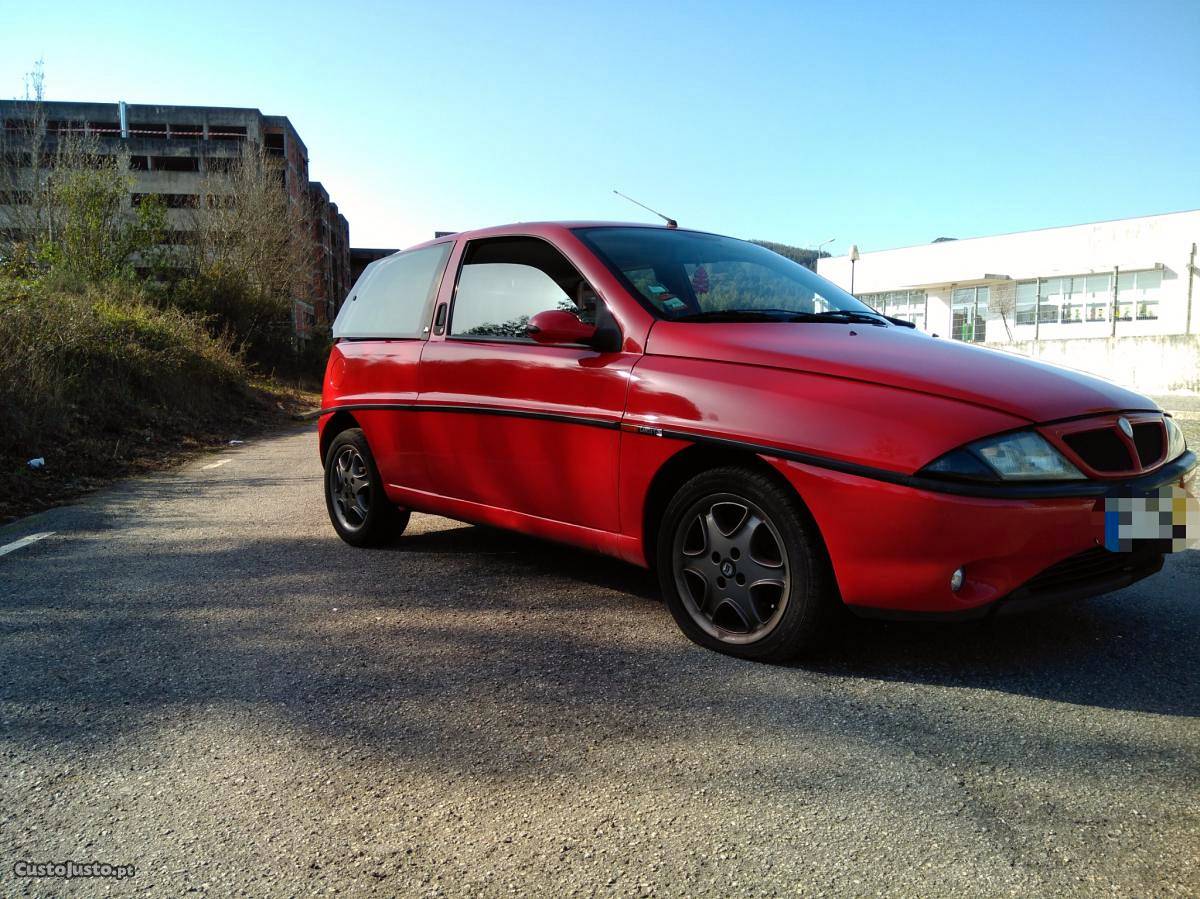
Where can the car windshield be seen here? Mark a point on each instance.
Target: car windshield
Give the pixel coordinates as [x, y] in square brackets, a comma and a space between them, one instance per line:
[692, 276]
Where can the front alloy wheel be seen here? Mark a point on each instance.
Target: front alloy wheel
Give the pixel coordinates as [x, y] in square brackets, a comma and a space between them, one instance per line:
[730, 568]
[742, 566]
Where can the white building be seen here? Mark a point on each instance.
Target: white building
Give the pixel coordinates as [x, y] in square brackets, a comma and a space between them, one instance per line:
[1071, 295]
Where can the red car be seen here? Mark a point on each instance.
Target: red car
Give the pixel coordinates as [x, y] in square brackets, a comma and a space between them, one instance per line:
[703, 406]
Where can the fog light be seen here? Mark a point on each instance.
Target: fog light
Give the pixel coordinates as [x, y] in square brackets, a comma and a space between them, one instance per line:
[956, 580]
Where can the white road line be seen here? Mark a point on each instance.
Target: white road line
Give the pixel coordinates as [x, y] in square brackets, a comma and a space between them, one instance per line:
[24, 541]
[216, 464]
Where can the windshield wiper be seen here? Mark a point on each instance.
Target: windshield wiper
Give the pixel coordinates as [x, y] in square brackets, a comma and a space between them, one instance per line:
[738, 315]
[841, 315]
[837, 316]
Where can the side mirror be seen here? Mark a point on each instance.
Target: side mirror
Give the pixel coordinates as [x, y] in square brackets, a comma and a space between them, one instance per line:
[556, 326]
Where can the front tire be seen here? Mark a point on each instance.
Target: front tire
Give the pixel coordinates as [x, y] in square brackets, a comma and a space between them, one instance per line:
[742, 566]
[359, 509]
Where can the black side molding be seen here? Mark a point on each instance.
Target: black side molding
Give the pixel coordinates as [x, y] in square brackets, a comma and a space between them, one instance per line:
[564, 418]
[1166, 474]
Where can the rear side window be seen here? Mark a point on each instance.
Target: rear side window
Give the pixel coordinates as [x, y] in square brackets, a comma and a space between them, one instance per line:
[393, 297]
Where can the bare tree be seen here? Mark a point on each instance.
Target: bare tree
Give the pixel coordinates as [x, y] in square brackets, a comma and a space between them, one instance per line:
[24, 184]
[247, 223]
[251, 243]
[1002, 302]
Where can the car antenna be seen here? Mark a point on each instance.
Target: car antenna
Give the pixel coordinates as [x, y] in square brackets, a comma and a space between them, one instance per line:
[671, 223]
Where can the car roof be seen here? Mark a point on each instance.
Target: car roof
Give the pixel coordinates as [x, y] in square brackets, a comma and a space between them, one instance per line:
[543, 229]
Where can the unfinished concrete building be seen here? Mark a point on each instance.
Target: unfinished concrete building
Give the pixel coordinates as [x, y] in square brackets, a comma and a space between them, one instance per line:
[361, 257]
[171, 151]
[331, 247]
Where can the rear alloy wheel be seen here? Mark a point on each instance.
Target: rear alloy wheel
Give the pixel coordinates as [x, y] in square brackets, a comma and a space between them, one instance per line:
[359, 509]
[741, 567]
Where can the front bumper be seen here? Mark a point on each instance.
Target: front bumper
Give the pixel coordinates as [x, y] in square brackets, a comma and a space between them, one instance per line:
[894, 546]
[1092, 572]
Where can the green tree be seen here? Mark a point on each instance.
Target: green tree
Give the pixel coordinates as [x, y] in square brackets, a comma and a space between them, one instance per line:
[92, 234]
[807, 258]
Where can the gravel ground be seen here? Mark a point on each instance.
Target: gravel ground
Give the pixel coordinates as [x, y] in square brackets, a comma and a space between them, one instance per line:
[199, 679]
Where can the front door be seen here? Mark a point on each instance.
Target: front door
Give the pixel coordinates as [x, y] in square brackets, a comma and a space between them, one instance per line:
[512, 424]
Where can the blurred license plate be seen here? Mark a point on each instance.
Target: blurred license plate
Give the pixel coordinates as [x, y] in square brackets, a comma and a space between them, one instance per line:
[1167, 518]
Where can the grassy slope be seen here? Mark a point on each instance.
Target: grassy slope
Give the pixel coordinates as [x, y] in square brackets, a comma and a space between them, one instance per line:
[103, 384]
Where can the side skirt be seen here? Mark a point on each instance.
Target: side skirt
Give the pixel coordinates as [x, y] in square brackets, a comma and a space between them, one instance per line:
[623, 547]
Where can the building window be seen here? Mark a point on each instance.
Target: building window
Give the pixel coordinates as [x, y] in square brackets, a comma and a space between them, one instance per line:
[185, 131]
[1050, 301]
[14, 159]
[1088, 298]
[226, 132]
[171, 201]
[175, 163]
[1025, 303]
[906, 304]
[1138, 295]
[1098, 296]
[1072, 301]
[968, 311]
[223, 164]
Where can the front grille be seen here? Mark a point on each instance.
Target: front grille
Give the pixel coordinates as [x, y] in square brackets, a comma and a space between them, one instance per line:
[1148, 438]
[1092, 567]
[1101, 449]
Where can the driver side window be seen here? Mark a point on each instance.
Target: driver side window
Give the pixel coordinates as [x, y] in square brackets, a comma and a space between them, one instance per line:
[505, 281]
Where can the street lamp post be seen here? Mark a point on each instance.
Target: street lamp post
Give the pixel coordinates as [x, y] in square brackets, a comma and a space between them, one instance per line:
[853, 259]
[820, 247]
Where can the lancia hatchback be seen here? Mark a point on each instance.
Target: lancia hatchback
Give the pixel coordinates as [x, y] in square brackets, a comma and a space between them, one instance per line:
[774, 448]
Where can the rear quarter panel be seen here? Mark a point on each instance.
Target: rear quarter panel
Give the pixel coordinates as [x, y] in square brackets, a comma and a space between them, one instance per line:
[366, 372]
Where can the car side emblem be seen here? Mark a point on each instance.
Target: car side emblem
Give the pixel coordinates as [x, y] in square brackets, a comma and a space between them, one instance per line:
[1125, 427]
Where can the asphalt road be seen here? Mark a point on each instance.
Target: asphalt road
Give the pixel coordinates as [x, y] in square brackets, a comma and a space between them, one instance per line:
[198, 678]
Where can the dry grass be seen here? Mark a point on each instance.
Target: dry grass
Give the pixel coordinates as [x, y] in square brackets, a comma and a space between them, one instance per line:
[101, 383]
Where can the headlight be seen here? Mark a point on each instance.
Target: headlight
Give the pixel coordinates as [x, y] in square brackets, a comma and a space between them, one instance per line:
[1176, 445]
[1023, 456]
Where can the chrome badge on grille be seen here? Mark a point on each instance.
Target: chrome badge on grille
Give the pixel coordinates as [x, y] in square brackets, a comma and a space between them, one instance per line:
[1125, 426]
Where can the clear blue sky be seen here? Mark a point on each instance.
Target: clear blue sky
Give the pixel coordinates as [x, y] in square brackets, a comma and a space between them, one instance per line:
[882, 124]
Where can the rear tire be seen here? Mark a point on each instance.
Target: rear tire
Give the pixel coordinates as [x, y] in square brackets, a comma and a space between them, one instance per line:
[743, 568]
[358, 507]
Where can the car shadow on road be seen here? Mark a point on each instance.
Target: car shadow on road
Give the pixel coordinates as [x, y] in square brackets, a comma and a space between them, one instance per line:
[459, 640]
[1122, 651]
[1117, 652]
[538, 555]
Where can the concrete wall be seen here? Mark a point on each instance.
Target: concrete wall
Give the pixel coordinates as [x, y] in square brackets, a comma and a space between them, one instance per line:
[1156, 365]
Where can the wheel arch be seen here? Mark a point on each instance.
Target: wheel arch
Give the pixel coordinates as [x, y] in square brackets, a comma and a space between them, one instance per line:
[341, 421]
[689, 462]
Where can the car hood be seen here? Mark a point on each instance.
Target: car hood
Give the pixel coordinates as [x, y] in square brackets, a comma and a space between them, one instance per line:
[902, 358]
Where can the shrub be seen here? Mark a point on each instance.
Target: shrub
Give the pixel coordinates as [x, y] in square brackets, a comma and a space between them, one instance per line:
[104, 361]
